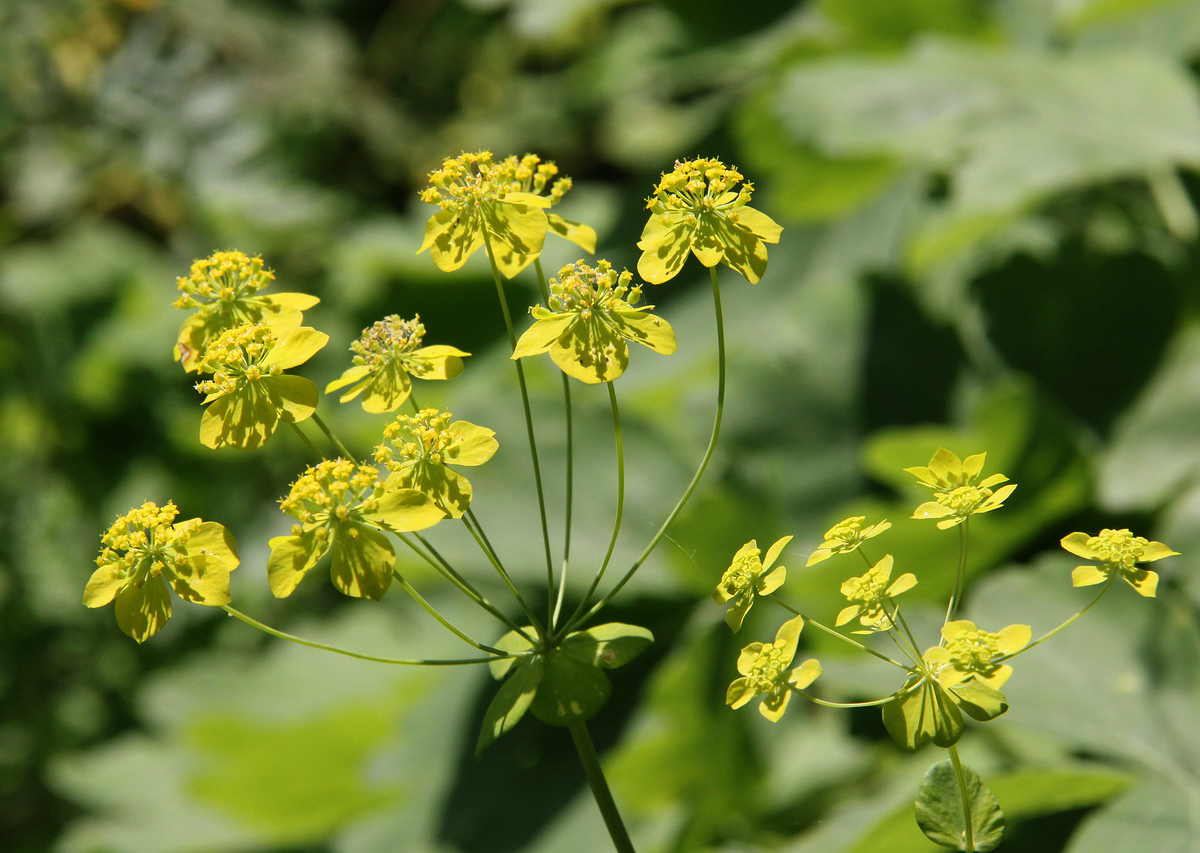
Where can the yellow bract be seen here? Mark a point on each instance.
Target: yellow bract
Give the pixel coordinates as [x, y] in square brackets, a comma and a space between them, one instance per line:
[1118, 552]
[957, 495]
[764, 669]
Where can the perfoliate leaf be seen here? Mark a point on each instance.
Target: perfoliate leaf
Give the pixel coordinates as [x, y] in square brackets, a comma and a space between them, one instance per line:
[510, 702]
[510, 642]
[924, 714]
[943, 818]
[611, 645]
[571, 691]
[981, 702]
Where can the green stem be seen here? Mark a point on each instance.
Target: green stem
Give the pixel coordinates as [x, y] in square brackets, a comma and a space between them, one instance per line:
[442, 567]
[1068, 622]
[708, 454]
[961, 575]
[965, 793]
[874, 703]
[570, 501]
[267, 629]
[537, 468]
[307, 441]
[429, 608]
[481, 540]
[341, 448]
[835, 633]
[600, 792]
[612, 540]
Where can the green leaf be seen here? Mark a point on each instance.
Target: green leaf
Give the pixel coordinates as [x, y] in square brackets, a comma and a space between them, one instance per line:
[510, 703]
[571, 691]
[981, 702]
[610, 645]
[924, 714]
[942, 817]
[510, 642]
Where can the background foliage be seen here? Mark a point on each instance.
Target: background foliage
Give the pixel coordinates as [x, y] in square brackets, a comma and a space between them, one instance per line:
[991, 244]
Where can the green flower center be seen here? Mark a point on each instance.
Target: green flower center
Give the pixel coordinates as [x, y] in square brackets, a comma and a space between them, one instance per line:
[973, 651]
[745, 570]
[388, 339]
[767, 669]
[963, 499]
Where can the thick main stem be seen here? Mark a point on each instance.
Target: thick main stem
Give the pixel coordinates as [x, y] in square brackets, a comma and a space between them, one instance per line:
[599, 785]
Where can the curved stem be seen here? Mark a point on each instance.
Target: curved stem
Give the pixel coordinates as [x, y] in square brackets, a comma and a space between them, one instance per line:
[537, 468]
[965, 793]
[307, 441]
[442, 567]
[835, 633]
[481, 540]
[600, 792]
[871, 704]
[274, 632]
[612, 540]
[445, 623]
[708, 454]
[1054, 631]
[341, 448]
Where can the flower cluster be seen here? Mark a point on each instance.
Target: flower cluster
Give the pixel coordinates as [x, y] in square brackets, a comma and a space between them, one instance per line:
[589, 318]
[970, 653]
[765, 672]
[1118, 553]
[248, 395]
[695, 209]
[223, 290]
[387, 354]
[749, 576]
[342, 506]
[869, 593]
[497, 204]
[144, 552]
[957, 495]
[846, 536]
[419, 449]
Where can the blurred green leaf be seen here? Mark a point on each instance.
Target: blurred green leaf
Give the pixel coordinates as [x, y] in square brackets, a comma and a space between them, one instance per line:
[940, 812]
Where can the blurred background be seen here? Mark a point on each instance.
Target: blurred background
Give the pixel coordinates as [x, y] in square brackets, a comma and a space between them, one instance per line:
[990, 244]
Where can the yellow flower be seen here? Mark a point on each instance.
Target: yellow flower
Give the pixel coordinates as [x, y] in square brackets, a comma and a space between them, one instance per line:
[387, 354]
[145, 552]
[764, 669]
[342, 507]
[248, 395]
[846, 536]
[970, 654]
[420, 448]
[591, 315]
[224, 290]
[695, 209]
[749, 576]
[1117, 551]
[868, 594]
[957, 495]
[500, 204]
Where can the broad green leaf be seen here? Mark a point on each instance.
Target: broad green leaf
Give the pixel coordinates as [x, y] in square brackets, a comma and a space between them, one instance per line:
[510, 642]
[981, 702]
[363, 560]
[570, 692]
[943, 818]
[1025, 795]
[610, 645]
[924, 714]
[511, 702]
